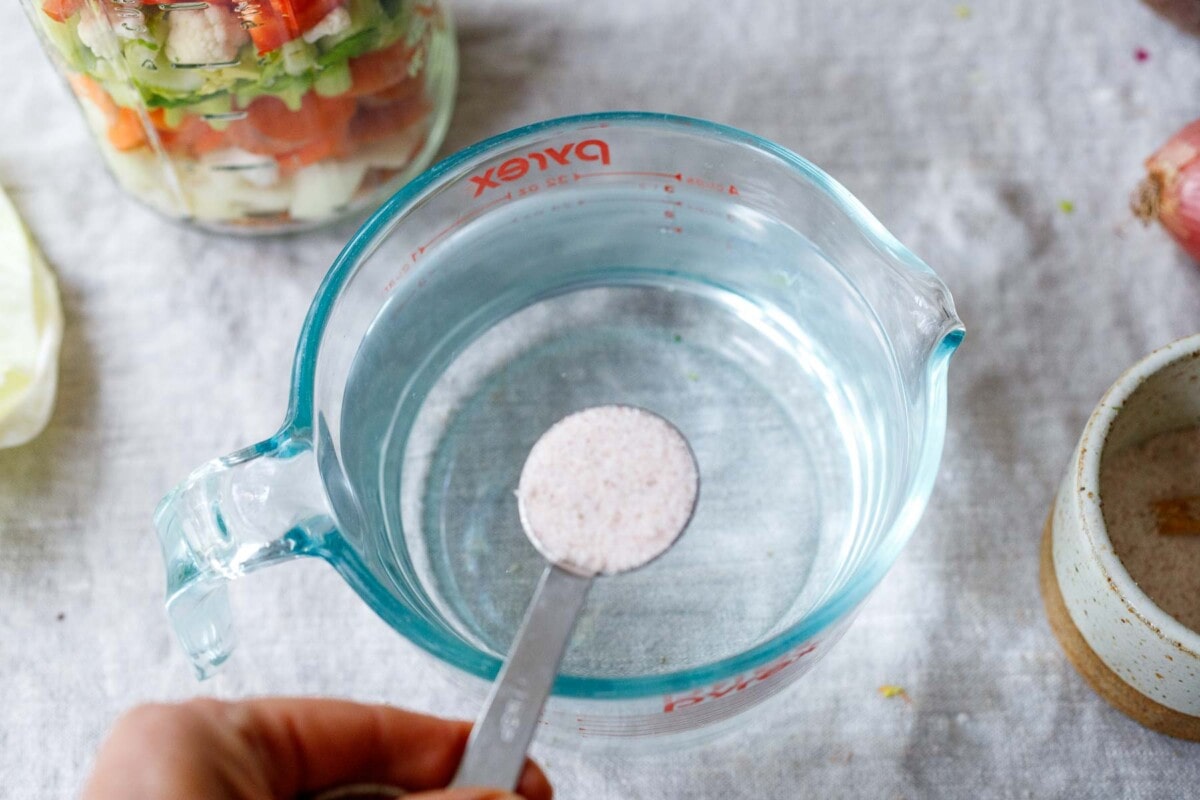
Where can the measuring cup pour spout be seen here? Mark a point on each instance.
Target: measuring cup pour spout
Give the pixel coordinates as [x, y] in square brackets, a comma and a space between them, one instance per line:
[917, 312]
[232, 515]
[945, 330]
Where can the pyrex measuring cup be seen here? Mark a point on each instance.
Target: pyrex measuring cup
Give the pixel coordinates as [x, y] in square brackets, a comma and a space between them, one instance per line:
[672, 264]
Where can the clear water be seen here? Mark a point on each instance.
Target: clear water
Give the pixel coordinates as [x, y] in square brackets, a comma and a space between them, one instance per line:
[736, 330]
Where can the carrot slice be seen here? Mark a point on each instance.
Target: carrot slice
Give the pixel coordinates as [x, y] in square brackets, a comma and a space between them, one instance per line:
[125, 132]
[158, 118]
[85, 86]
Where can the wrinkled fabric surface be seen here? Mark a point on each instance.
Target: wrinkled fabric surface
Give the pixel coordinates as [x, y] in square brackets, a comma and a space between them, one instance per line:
[964, 127]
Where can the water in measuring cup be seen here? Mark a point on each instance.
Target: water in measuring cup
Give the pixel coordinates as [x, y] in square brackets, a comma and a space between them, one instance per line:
[723, 329]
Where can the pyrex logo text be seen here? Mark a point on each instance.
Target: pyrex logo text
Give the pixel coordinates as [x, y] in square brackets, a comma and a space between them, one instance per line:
[516, 168]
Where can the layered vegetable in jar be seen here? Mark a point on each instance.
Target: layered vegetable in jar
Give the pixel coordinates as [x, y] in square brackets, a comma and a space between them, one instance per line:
[258, 115]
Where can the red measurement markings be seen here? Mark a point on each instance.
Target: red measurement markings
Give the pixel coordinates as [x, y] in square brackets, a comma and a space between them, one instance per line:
[715, 186]
[759, 677]
[676, 175]
[656, 199]
[458, 222]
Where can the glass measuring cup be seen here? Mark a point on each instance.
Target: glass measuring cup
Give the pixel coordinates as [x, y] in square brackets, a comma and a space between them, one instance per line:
[257, 117]
[676, 265]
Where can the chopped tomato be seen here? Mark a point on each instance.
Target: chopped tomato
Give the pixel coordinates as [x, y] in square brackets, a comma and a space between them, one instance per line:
[61, 10]
[318, 116]
[308, 13]
[192, 137]
[271, 128]
[373, 72]
[196, 137]
[273, 119]
[270, 121]
[314, 151]
[271, 23]
[374, 123]
[268, 28]
[407, 89]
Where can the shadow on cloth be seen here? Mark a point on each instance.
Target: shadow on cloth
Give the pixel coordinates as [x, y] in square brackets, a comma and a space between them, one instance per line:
[505, 54]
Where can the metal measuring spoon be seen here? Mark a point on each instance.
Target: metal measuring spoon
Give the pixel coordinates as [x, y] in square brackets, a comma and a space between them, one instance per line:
[603, 491]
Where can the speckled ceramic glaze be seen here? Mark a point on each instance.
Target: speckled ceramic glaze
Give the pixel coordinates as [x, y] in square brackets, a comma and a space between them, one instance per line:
[1148, 649]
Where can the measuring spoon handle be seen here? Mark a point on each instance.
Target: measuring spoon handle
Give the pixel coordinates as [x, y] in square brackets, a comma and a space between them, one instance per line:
[496, 751]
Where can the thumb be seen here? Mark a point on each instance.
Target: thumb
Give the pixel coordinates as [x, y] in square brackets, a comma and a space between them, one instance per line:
[467, 793]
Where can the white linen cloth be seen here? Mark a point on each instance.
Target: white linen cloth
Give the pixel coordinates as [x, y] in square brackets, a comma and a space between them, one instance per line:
[962, 126]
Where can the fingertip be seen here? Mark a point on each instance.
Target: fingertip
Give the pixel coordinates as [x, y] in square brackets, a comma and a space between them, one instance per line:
[534, 785]
[466, 793]
[442, 762]
[315, 743]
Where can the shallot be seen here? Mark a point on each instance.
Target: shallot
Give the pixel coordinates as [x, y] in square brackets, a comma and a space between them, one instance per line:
[1171, 191]
[1184, 13]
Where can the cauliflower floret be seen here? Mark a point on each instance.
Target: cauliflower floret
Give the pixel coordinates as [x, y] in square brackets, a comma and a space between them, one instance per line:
[334, 22]
[209, 36]
[97, 35]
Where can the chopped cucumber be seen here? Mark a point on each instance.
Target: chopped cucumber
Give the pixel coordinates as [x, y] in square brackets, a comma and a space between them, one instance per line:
[288, 88]
[334, 80]
[349, 48]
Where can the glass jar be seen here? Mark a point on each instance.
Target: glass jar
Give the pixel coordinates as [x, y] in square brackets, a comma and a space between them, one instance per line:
[257, 116]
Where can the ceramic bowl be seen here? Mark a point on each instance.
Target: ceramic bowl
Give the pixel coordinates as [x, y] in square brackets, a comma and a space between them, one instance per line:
[1134, 654]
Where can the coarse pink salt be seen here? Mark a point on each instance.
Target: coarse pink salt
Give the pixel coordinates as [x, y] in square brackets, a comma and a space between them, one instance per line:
[607, 489]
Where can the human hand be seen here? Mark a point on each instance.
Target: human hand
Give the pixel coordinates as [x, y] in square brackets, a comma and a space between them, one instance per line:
[284, 749]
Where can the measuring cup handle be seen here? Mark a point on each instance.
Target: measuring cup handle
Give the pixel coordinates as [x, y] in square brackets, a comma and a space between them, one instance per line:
[247, 510]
